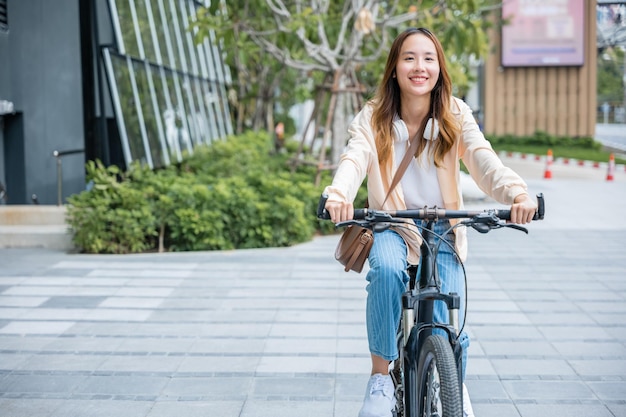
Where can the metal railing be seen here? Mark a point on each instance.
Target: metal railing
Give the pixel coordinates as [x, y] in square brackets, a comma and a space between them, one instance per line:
[58, 155]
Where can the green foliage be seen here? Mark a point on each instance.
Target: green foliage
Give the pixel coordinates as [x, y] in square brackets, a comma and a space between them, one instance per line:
[545, 139]
[111, 217]
[233, 194]
[610, 76]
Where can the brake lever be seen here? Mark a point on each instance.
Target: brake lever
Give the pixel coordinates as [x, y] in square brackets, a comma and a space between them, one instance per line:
[362, 223]
[516, 227]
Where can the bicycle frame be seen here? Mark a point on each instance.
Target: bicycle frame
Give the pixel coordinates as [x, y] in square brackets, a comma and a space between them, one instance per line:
[420, 299]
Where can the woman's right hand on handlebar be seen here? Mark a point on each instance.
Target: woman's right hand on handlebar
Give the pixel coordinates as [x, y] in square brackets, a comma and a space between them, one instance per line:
[340, 211]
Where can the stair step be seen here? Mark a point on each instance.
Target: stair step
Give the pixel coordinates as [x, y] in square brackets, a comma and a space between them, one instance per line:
[14, 215]
[34, 226]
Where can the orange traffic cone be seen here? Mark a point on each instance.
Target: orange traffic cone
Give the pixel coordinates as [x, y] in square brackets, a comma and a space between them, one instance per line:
[610, 175]
[547, 174]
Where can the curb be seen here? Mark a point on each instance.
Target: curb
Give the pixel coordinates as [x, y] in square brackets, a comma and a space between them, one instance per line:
[560, 160]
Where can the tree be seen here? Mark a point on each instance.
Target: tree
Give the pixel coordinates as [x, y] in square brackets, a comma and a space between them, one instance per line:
[340, 46]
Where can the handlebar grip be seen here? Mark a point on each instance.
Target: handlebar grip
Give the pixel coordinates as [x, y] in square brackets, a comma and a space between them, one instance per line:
[541, 207]
[322, 214]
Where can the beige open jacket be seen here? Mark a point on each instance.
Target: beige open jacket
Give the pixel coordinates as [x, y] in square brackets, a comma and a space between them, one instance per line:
[360, 160]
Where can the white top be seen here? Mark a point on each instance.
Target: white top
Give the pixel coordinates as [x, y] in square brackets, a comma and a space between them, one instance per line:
[420, 185]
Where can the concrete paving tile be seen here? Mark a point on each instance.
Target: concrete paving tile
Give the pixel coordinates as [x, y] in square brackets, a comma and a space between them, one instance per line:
[352, 345]
[499, 332]
[228, 345]
[348, 387]
[572, 332]
[481, 306]
[618, 410]
[31, 407]
[72, 302]
[495, 410]
[563, 410]
[306, 317]
[122, 385]
[195, 409]
[485, 390]
[354, 365]
[82, 344]
[548, 390]
[41, 383]
[219, 364]
[612, 391]
[75, 314]
[37, 327]
[516, 348]
[215, 388]
[581, 319]
[599, 367]
[281, 408]
[143, 292]
[6, 301]
[131, 302]
[308, 331]
[141, 363]
[155, 344]
[295, 364]
[591, 348]
[25, 343]
[9, 313]
[347, 408]
[482, 367]
[300, 346]
[269, 387]
[65, 362]
[532, 367]
[13, 361]
[102, 408]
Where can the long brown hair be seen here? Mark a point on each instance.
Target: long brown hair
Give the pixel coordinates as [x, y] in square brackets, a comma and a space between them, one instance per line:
[387, 104]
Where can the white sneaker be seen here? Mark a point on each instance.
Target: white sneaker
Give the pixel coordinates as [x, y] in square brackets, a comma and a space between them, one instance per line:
[467, 404]
[379, 397]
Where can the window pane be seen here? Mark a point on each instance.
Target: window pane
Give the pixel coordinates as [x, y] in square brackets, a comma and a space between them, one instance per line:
[129, 110]
[144, 30]
[166, 113]
[149, 114]
[176, 120]
[159, 28]
[168, 19]
[128, 29]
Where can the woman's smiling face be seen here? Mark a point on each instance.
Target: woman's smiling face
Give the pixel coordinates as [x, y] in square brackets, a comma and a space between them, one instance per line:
[417, 69]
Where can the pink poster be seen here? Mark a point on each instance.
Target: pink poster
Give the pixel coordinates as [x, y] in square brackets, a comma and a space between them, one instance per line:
[541, 33]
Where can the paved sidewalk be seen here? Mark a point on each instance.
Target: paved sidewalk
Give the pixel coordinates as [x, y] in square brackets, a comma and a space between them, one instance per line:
[280, 332]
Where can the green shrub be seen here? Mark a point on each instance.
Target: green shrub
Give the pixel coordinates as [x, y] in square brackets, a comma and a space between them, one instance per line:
[232, 194]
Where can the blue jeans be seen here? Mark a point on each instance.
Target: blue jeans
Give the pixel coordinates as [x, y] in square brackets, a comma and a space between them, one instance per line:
[388, 279]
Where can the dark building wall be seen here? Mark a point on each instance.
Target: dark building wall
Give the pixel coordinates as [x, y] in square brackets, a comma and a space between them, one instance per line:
[5, 94]
[44, 72]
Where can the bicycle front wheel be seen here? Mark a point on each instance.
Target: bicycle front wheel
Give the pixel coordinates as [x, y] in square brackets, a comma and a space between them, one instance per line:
[440, 392]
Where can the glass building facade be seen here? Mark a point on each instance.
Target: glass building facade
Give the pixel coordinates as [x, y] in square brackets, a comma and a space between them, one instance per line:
[168, 92]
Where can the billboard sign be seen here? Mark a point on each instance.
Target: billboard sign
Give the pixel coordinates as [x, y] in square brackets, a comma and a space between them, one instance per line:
[541, 33]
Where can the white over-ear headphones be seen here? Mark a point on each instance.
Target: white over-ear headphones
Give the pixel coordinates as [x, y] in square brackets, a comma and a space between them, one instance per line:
[402, 132]
[432, 129]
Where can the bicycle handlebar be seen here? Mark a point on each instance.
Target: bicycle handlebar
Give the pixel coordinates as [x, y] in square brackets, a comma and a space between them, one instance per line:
[433, 213]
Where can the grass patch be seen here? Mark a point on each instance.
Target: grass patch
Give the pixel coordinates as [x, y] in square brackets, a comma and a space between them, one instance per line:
[562, 147]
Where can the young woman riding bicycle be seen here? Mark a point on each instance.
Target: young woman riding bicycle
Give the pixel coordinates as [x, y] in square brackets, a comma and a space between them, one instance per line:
[414, 90]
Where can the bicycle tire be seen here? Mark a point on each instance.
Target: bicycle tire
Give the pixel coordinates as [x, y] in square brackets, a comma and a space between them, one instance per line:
[439, 388]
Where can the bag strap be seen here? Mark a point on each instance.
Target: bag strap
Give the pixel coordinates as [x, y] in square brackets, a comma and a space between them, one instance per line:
[404, 164]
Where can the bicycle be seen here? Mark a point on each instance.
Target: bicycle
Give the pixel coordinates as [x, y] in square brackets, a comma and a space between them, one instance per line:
[428, 372]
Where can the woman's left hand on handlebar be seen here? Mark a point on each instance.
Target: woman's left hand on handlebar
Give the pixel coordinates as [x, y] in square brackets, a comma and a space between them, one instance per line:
[523, 209]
